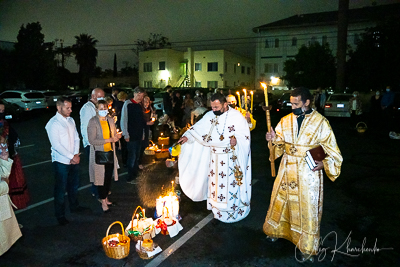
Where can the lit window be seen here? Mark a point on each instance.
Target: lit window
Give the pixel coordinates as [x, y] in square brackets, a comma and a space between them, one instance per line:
[212, 84]
[147, 67]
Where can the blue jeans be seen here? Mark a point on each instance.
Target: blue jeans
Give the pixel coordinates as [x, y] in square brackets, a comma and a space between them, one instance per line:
[93, 188]
[66, 179]
[133, 148]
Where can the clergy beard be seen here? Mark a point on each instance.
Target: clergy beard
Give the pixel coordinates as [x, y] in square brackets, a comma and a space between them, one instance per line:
[232, 105]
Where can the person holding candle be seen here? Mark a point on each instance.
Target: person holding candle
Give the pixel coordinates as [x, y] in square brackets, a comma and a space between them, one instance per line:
[231, 99]
[215, 162]
[296, 202]
[102, 135]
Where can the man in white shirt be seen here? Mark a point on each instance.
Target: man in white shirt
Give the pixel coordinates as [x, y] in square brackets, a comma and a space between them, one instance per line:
[64, 140]
[87, 112]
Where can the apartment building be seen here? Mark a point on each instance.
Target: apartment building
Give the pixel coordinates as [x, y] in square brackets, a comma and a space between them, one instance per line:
[201, 69]
[281, 40]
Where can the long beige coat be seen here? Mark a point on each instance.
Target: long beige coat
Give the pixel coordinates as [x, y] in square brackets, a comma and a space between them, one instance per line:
[96, 140]
[9, 229]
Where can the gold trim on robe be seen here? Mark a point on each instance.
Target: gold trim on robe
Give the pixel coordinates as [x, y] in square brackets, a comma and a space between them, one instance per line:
[296, 202]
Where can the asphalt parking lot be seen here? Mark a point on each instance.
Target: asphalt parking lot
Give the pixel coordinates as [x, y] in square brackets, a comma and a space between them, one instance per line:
[361, 207]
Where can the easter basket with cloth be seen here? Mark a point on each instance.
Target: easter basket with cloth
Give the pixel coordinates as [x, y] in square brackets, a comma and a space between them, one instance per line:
[116, 246]
[140, 228]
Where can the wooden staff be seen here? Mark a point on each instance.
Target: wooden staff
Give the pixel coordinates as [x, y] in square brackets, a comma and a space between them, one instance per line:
[271, 148]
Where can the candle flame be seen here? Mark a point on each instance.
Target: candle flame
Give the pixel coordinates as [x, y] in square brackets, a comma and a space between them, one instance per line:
[263, 85]
[251, 92]
[237, 93]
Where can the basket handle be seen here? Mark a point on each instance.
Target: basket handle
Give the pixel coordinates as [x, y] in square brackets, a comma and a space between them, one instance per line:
[109, 227]
[133, 216]
[361, 122]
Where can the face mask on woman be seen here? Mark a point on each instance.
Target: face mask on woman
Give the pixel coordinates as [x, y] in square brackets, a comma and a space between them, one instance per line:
[103, 113]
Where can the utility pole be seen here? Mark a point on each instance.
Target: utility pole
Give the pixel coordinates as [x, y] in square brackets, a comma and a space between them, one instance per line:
[341, 45]
[62, 53]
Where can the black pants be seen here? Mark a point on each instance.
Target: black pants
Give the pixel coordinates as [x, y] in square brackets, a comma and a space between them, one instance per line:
[105, 188]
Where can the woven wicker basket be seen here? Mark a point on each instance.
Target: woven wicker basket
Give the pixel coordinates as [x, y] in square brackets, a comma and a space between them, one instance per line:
[361, 127]
[122, 250]
[132, 236]
[143, 253]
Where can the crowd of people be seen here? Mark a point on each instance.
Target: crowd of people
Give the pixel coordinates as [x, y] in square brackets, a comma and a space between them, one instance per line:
[215, 162]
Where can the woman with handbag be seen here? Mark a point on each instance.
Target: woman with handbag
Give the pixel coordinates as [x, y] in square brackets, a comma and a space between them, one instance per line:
[103, 163]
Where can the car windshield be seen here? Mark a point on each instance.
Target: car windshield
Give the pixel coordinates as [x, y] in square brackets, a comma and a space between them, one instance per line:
[34, 95]
[339, 98]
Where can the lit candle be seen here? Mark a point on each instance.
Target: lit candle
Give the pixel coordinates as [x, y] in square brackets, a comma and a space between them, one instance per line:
[137, 220]
[251, 92]
[265, 93]
[172, 186]
[240, 104]
[144, 213]
[245, 99]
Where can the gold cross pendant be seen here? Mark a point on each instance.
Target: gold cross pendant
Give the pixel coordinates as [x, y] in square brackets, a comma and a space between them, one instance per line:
[221, 137]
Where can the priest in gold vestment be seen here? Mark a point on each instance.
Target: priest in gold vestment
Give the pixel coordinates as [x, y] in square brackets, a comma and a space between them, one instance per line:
[295, 208]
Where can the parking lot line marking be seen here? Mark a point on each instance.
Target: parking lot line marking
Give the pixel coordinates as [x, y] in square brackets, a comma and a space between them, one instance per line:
[178, 243]
[34, 164]
[51, 199]
[25, 146]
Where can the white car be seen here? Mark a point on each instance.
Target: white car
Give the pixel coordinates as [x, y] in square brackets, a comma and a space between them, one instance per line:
[337, 105]
[28, 100]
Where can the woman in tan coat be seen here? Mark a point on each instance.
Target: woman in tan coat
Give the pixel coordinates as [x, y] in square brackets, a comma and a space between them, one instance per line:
[102, 135]
[9, 229]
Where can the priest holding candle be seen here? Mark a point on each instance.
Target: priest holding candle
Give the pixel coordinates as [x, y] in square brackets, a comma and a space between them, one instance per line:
[215, 162]
[231, 99]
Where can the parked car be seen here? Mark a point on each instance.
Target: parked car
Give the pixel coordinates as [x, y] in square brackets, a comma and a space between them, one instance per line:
[158, 101]
[52, 96]
[283, 104]
[28, 100]
[337, 105]
[12, 111]
[78, 98]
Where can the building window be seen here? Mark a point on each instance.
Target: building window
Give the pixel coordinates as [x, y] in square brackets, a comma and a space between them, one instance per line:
[276, 68]
[248, 70]
[324, 40]
[226, 67]
[148, 84]
[197, 66]
[234, 68]
[161, 65]
[313, 40]
[276, 42]
[147, 67]
[197, 84]
[212, 66]
[266, 43]
[271, 68]
[294, 41]
[243, 69]
[356, 38]
[212, 84]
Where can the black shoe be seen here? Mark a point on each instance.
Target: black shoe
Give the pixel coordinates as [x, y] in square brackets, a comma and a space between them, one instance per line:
[79, 209]
[62, 221]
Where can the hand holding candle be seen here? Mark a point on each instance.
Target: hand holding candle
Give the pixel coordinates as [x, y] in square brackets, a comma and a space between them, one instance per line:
[240, 104]
[245, 99]
[251, 107]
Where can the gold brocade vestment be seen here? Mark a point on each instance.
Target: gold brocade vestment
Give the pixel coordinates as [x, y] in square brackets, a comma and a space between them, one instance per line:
[296, 202]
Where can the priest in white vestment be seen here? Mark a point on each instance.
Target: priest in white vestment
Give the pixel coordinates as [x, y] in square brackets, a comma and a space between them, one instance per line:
[215, 162]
